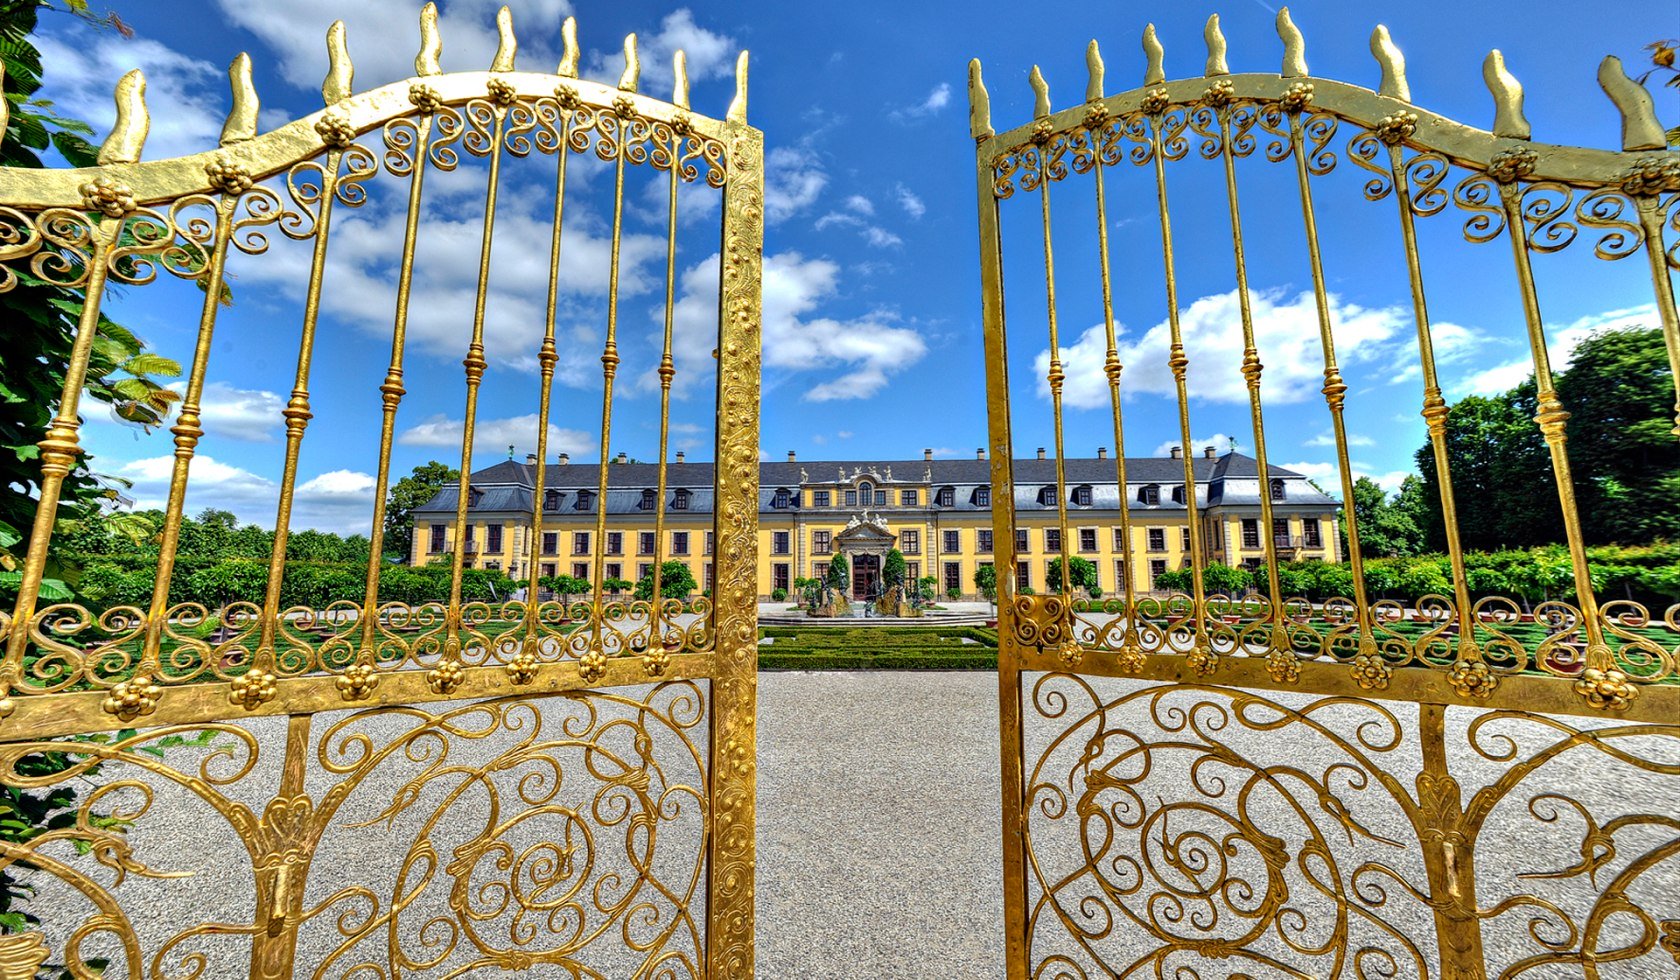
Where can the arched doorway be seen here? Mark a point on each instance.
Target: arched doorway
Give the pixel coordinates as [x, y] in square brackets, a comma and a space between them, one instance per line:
[866, 576]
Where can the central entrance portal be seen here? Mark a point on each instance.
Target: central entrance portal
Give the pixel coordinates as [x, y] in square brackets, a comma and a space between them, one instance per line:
[866, 576]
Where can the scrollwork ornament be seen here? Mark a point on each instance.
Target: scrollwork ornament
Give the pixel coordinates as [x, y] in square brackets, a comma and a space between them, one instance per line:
[335, 129]
[1609, 689]
[108, 197]
[357, 682]
[252, 690]
[133, 698]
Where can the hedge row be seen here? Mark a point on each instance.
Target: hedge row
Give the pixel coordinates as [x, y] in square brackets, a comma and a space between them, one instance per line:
[858, 659]
[314, 584]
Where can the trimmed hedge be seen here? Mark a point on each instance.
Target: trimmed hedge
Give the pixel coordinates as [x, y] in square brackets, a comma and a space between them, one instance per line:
[878, 648]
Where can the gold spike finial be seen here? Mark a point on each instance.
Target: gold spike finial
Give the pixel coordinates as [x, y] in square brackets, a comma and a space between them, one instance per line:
[340, 72]
[1041, 94]
[1640, 129]
[1393, 65]
[128, 133]
[679, 75]
[979, 103]
[1508, 119]
[506, 44]
[738, 105]
[1294, 46]
[569, 59]
[1156, 72]
[5, 107]
[431, 43]
[1094, 67]
[1215, 39]
[632, 65]
[242, 118]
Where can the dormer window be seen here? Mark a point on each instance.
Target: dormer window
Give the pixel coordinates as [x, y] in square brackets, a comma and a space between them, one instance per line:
[782, 498]
[1082, 496]
[866, 491]
[1178, 495]
[1150, 494]
[650, 500]
[1277, 490]
[1047, 496]
[680, 501]
[474, 495]
[551, 500]
[947, 496]
[585, 500]
[982, 496]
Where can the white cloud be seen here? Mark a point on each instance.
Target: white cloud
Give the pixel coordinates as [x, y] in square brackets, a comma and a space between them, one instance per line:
[862, 205]
[495, 435]
[881, 238]
[1219, 441]
[1560, 348]
[936, 100]
[1328, 475]
[338, 500]
[82, 71]
[908, 200]
[1328, 438]
[249, 415]
[710, 55]
[856, 356]
[794, 177]
[874, 235]
[1286, 333]
[384, 35]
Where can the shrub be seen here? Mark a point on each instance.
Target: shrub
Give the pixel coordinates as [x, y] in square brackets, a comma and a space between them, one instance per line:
[675, 582]
[778, 595]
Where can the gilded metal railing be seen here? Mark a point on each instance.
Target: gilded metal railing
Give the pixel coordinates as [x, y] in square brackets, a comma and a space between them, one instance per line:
[1133, 837]
[518, 841]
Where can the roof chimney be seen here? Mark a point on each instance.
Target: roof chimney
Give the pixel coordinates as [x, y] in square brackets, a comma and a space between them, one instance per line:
[792, 457]
[1178, 452]
[1209, 452]
[980, 453]
[622, 458]
[1102, 452]
[927, 454]
[1040, 452]
[679, 455]
[530, 459]
[565, 458]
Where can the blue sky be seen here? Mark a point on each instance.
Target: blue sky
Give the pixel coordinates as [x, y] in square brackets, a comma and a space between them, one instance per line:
[872, 287]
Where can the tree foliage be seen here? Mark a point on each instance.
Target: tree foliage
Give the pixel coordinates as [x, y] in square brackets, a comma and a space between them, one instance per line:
[413, 490]
[893, 569]
[839, 575]
[675, 582]
[1084, 575]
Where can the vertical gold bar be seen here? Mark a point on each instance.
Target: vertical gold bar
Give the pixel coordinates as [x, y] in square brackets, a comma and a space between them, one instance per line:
[187, 433]
[609, 369]
[475, 364]
[297, 416]
[547, 358]
[1055, 376]
[1202, 651]
[1251, 370]
[733, 747]
[1551, 417]
[1335, 389]
[1651, 223]
[391, 390]
[1434, 405]
[59, 445]
[667, 371]
[1131, 648]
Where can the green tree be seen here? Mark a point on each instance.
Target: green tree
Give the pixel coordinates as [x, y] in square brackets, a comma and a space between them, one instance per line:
[892, 569]
[413, 490]
[839, 576]
[985, 581]
[1084, 574]
[1387, 528]
[1222, 578]
[1498, 462]
[675, 582]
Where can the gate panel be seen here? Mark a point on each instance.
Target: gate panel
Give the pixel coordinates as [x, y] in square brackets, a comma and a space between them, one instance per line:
[369, 786]
[1202, 785]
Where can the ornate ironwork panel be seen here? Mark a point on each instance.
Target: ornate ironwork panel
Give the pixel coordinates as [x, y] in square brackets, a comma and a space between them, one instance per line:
[1200, 785]
[368, 786]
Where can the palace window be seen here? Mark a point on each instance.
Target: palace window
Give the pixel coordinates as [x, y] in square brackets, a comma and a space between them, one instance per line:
[1088, 539]
[1082, 496]
[952, 542]
[1311, 531]
[821, 569]
[1280, 531]
[880, 498]
[1157, 568]
[866, 491]
[782, 498]
[438, 532]
[983, 542]
[1119, 574]
[1277, 490]
[819, 498]
[1120, 540]
[547, 569]
[1184, 539]
[551, 544]
[778, 542]
[709, 535]
[822, 542]
[644, 543]
[580, 542]
[711, 576]
[953, 576]
[1021, 540]
[551, 500]
[643, 570]
[1157, 539]
[779, 576]
[615, 542]
[851, 498]
[680, 501]
[911, 542]
[1250, 533]
[650, 500]
[580, 569]
[947, 496]
[679, 542]
[1023, 575]
[982, 496]
[614, 570]
[493, 537]
[912, 570]
[1047, 496]
[1052, 539]
[585, 500]
[907, 498]
[1150, 494]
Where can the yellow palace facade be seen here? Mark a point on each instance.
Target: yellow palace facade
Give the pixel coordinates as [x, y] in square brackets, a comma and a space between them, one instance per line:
[936, 512]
